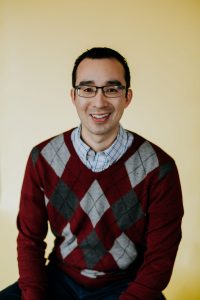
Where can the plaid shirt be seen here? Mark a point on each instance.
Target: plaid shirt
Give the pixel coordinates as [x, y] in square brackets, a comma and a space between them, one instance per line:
[100, 161]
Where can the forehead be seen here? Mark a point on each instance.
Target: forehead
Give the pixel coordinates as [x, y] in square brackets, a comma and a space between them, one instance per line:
[100, 71]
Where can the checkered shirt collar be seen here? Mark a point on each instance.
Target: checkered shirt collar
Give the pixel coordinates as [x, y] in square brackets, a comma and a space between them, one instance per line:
[100, 161]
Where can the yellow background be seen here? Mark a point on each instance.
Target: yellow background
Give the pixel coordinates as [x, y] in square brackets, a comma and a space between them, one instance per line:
[40, 40]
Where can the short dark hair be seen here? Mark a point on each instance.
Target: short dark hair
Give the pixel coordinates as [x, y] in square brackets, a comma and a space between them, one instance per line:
[98, 53]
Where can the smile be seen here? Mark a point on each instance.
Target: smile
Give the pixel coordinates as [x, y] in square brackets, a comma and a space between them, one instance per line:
[100, 117]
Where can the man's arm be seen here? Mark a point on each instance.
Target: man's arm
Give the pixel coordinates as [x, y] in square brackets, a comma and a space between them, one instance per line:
[32, 226]
[163, 236]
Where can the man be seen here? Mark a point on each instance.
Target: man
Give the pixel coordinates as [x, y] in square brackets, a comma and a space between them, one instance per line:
[113, 200]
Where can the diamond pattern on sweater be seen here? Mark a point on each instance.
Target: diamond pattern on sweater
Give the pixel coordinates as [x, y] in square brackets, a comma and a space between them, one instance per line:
[127, 210]
[94, 203]
[141, 163]
[123, 251]
[164, 169]
[46, 200]
[92, 273]
[56, 154]
[69, 243]
[34, 154]
[64, 200]
[93, 249]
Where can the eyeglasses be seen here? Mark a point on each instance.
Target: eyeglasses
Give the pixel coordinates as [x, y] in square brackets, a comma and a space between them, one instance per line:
[110, 91]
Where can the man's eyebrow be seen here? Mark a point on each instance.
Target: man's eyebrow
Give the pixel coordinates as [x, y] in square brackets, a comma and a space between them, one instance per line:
[86, 82]
[109, 82]
[114, 82]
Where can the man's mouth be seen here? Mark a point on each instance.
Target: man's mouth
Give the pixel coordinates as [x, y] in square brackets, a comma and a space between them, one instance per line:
[100, 117]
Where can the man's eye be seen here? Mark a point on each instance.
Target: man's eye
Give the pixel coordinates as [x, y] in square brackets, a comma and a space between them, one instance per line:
[87, 90]
[111, 90]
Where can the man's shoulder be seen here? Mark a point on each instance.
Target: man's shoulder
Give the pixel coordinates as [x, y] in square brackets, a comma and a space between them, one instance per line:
[54, 140]
[55, 146]
[145, 145]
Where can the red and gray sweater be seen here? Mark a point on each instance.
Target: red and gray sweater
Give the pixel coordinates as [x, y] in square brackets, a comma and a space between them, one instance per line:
[122, 222]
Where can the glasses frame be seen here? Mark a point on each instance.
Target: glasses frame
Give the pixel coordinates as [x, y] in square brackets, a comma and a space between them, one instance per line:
[121, 87]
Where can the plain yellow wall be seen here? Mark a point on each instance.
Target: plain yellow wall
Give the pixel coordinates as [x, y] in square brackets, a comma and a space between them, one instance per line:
[40, 40]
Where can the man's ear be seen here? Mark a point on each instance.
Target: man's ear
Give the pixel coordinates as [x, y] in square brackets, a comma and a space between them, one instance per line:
[129, 97]
[72, 93]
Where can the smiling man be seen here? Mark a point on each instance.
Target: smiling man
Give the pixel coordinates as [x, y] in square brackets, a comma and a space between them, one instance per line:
[112, 198]
[100, 96]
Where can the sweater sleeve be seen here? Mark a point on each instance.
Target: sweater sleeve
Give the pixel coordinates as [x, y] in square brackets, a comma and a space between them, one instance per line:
[163, 236]
[32, 227]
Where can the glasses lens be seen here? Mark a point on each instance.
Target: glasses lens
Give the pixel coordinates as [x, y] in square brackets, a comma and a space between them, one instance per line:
[86, 91]
[113, 91]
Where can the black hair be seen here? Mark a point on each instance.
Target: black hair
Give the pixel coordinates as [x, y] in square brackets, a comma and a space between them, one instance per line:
[98, 53]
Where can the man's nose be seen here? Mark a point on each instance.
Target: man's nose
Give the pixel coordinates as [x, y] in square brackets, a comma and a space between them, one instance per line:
[100, 100]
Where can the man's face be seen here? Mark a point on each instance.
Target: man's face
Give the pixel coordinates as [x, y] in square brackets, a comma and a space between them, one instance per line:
[100, 115]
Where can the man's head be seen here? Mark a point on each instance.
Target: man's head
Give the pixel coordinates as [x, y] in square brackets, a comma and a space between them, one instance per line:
[100, 53]
[100, 93]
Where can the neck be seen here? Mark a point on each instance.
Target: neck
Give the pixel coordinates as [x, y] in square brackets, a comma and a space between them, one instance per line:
[99, 142]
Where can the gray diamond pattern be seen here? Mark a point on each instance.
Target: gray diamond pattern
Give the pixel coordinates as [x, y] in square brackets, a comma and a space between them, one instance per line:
[93, 249]
[34, 155]
[127, 210]
[69, 243]
[64, 200]
[164, 169]
[94, 203]
[141, 163]
[123, 251]
[56, 154]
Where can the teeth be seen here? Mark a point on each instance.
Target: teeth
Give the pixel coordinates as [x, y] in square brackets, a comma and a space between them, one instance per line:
[100, 116]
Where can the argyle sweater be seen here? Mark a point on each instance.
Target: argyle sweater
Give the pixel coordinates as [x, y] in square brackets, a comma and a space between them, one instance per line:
[123, 222]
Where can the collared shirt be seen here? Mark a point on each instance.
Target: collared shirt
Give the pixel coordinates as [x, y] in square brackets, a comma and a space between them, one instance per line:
[99, 161]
